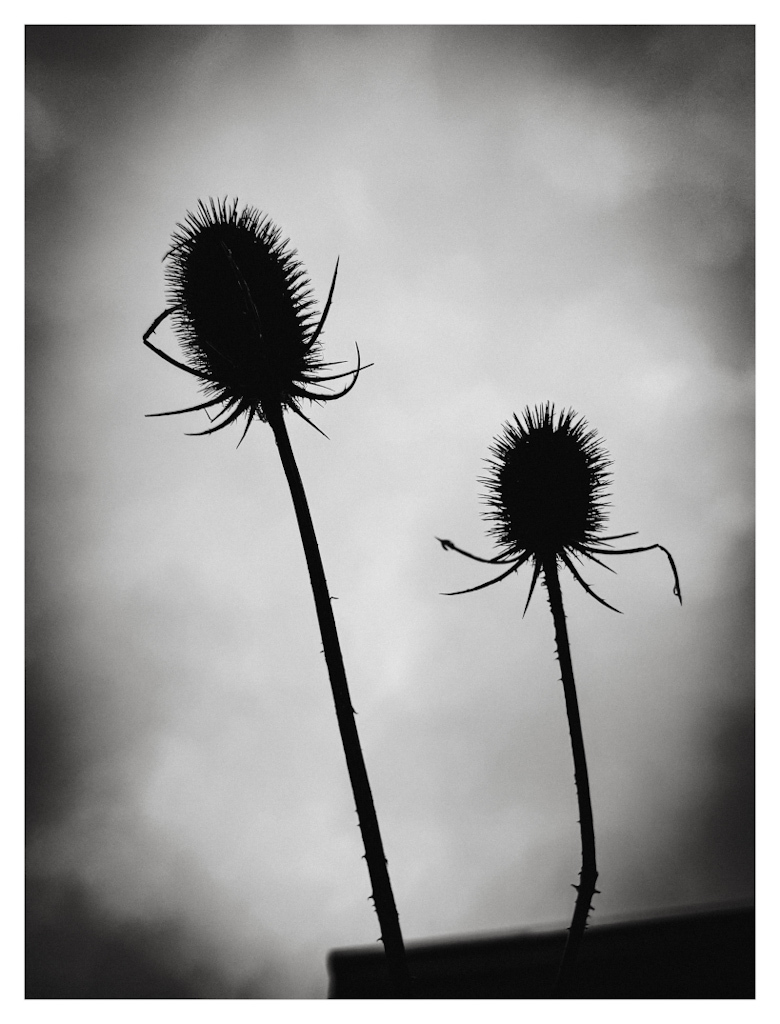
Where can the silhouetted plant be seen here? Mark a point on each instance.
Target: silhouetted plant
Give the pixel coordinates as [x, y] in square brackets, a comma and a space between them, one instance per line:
[242, 308]
[546, 491]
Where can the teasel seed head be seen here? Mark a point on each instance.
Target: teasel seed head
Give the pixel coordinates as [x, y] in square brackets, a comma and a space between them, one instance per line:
[546, 497]
[546, 485]
[243, 311]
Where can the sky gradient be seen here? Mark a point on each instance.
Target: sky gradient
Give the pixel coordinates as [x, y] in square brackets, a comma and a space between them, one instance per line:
[522, 215]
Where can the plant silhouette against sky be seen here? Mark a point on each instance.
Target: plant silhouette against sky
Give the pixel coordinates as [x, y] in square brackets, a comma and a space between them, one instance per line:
[546, 500]
[243, 311]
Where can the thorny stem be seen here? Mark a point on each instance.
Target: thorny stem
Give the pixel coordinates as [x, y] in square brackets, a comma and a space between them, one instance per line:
[588, 874]
[382, 895]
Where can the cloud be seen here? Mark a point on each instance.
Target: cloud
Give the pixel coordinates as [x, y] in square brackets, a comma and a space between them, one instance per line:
[521, 215]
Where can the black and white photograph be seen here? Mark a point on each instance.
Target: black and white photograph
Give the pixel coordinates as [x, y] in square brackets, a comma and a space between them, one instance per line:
[389, 511]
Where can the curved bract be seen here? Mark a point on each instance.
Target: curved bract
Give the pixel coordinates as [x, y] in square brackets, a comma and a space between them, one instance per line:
[243, 310]
[546, 497]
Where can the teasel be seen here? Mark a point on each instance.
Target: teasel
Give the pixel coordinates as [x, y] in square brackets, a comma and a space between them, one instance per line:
[243, 311]
[546, 491]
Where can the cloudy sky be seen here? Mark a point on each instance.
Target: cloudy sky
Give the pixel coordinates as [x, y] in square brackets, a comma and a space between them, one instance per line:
[522, 215]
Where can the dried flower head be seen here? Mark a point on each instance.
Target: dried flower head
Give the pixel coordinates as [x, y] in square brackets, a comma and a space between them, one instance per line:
[546, 497]
[243, 311]
[546, 485]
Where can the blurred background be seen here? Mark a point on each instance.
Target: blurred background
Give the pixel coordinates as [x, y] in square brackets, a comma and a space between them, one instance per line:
[522, 214]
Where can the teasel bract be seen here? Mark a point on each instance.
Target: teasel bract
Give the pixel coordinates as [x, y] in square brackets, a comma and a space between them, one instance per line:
[244, 314]
[546, 498]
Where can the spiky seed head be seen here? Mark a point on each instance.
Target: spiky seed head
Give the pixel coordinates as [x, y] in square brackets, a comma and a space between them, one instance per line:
[244, 308]
[546, 485]
[546, 499]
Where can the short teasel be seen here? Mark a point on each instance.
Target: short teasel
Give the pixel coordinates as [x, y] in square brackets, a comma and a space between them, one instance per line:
[243, 312]
[546, 498]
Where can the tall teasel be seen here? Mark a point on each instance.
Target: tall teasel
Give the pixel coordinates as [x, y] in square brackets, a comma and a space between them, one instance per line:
[243, 311]
[546, 498]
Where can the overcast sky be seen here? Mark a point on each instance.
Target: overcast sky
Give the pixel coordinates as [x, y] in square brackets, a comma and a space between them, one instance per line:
[521, 215]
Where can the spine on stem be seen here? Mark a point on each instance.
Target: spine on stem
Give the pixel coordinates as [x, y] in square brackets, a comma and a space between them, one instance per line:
[588, 873]
[382, 894]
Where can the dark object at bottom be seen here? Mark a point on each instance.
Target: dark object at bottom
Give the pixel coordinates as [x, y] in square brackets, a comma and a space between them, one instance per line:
[707, 955]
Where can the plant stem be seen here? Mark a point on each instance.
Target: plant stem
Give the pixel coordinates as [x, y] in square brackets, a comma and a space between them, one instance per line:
[588, 874]
[382, 894]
